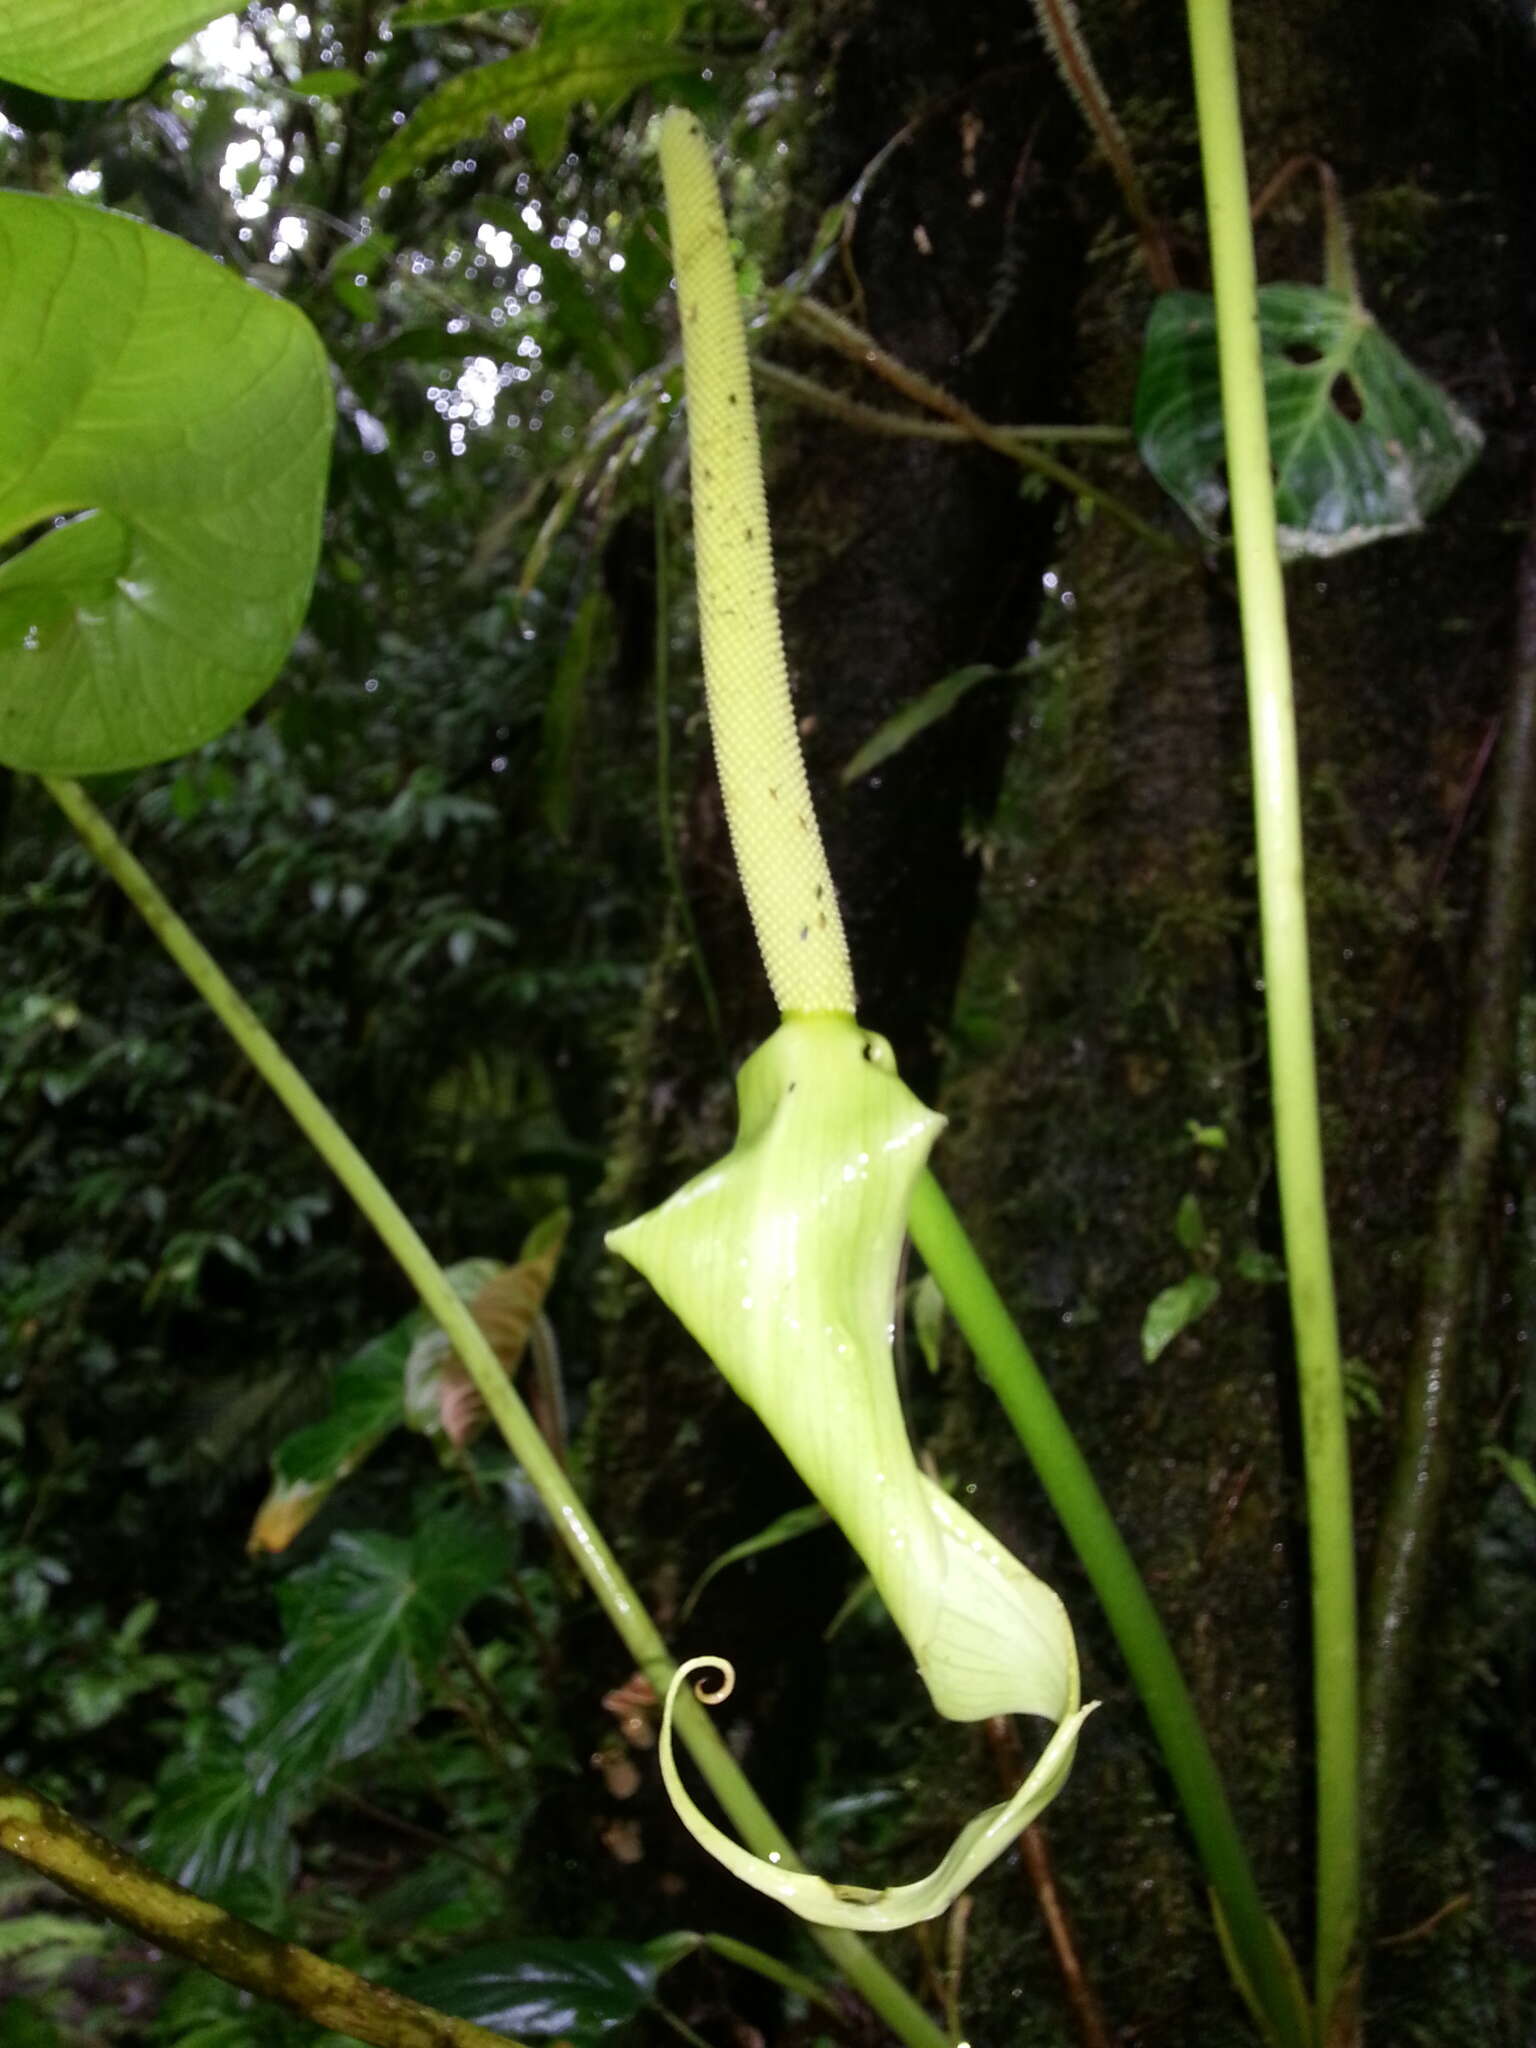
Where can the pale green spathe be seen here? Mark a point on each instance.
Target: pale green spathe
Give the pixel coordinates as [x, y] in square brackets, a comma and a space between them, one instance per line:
[782, 1262]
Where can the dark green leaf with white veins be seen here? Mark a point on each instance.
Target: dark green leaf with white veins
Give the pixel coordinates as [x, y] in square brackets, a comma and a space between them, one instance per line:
[93, 49]
[214, 1826]
[1364, 446]
[167, 428]
[534, 1990]
[365, 1625]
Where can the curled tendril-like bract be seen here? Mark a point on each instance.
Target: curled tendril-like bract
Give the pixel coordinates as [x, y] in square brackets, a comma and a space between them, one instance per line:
[782, 1262]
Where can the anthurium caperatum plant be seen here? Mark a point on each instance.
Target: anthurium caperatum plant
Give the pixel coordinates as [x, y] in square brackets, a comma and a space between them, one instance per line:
[782, 1258]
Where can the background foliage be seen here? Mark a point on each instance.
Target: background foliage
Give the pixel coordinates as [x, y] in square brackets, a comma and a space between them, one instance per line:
[437, 857]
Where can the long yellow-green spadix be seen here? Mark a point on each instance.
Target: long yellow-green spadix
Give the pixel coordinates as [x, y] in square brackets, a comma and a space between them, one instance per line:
[782, 1262]
[778, 848]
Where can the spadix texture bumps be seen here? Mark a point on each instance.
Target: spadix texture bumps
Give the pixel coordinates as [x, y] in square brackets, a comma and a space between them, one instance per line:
[757, 749]
[782, 1261]
[782, 1258]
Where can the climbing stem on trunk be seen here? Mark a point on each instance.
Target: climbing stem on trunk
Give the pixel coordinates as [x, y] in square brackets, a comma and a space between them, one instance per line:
[1409, 1537]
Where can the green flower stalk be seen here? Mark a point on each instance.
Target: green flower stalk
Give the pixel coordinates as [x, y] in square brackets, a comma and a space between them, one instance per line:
[781, 1260]
[1288, 1003]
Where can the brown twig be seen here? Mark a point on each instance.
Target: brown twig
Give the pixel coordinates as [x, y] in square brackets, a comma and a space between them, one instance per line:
[858, 192]
[485, 1712]
[956, 1930]
[1016, 188]
[1338, 254]
[107, 1878]
[466, 1657]
[814, 318]
[428, 1837]
[876, 419]
[1409, 1537]
[464, 1464]
[1087, 2013]
[1471, 788]
[1064, 38]
[1427, 1926]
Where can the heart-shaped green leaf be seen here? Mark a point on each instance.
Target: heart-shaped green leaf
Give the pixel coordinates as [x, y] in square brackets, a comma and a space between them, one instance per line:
[168, 427]
[93, 49]
[1364, 446]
